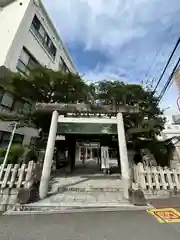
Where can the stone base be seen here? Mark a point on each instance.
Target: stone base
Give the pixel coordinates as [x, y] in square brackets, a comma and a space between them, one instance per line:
[137, 197]
[8, 198]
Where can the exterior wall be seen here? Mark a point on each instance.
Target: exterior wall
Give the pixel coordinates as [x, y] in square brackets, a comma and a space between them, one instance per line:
[170, 131]
[15, 22]
[9, 25]
[16, 34]
[3, 3]
[27, 132]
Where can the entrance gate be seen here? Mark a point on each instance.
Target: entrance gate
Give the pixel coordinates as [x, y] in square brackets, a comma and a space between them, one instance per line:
[111, 116]
[87, 152]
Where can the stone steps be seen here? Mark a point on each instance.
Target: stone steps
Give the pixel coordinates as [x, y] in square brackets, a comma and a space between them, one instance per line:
[86, 184]
[24, 210]
[89, 189]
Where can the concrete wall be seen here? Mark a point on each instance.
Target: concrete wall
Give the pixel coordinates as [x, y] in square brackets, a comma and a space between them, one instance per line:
[16, 33]
[10, 19]
[27, 132]
[170, 131]
[15, 22]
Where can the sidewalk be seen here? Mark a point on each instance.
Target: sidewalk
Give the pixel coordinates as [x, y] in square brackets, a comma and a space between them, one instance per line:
[171, 202]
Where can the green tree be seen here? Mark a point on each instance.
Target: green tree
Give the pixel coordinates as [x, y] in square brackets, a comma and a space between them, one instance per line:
[48, 86]
[148, 122]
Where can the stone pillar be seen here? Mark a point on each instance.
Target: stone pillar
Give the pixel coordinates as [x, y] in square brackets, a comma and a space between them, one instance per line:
[123, 153]
[44, 184]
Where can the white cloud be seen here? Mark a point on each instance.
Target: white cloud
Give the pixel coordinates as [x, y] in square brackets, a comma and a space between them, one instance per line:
[102, 24]
[117, 27]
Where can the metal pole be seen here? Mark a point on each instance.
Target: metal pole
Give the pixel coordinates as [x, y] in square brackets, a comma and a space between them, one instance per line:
[8, 150]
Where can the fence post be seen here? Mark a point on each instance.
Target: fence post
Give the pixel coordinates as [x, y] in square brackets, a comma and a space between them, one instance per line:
[162, 175]
[169, 178]
[14, 175]
[141, 174]
[21, 175]
[156, 178]
[149, 177]
[6, 176]
[29, 171]
[175, 172]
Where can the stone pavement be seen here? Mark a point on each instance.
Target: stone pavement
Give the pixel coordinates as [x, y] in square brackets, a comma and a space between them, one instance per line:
[80, 191]
[87, 186]
[83, 199]
[87, 183]
[86, 176]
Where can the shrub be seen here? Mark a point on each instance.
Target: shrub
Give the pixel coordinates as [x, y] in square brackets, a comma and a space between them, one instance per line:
[14, 154]
[2, 152]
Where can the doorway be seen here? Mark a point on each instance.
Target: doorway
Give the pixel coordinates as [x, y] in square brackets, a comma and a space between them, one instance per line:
[86, 152]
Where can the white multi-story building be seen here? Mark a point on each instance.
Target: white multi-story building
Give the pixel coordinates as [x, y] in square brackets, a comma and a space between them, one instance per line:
[28, 37]
[171, 128]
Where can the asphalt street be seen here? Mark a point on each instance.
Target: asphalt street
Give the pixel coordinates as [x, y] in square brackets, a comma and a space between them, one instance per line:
[124, 225]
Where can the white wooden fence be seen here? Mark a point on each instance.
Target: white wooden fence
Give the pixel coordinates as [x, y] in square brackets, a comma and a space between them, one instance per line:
[16, 176]
[156, 178]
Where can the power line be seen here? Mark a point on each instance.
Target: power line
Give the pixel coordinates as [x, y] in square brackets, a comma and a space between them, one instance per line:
[159, 50]
[154, 59]
[150, 67]
[167, 64]
[169, 81]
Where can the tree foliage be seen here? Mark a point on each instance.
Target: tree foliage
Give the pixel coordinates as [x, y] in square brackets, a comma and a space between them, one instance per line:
[47, 86]
[148, 122]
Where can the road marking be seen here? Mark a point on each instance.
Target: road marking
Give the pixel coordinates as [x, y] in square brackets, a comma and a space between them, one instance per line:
[166, 215]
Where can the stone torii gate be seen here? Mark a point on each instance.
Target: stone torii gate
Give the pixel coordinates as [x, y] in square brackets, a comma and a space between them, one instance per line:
[82, 113]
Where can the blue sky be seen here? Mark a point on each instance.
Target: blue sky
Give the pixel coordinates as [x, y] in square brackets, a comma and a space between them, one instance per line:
[118, 39]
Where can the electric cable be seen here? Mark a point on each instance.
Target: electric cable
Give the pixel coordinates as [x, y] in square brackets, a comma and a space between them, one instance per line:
[169, 81]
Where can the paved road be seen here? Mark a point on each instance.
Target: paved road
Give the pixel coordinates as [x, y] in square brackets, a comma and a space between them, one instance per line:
[124, 225]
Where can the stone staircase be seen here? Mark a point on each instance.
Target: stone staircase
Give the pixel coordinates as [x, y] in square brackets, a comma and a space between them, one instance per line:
[84, 189]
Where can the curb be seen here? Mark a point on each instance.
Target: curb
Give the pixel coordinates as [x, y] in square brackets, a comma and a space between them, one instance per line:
[79, 210]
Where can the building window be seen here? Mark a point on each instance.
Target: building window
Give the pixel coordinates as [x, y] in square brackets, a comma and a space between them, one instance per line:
[43, 36]
[27, 107]
[7, 100]
[5, 138]
[18, 139]
[18, 106]
[62, 66]
[35, 24]
[26, 62]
